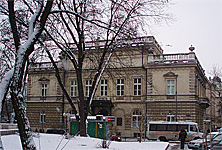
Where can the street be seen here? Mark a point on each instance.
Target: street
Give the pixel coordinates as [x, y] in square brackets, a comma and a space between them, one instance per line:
[176, 146]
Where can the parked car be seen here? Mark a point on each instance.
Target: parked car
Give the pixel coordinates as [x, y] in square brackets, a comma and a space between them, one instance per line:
[217, 146]
[195, 144]
[214, 141]
[116, 138]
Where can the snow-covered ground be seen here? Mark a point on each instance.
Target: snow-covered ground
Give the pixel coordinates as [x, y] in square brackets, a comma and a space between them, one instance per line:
[58, 142]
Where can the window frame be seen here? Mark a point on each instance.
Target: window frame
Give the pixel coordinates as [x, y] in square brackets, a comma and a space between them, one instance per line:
[172, 87]
[172, 127]
[168, 127]
[119, 121]
[43, 89]
[120, 87]
[73, 93]
[193, 128]
[136, 119]
[103, 87]
[137, 86]
[88, 86]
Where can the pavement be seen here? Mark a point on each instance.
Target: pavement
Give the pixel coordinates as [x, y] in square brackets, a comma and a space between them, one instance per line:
[176, 146]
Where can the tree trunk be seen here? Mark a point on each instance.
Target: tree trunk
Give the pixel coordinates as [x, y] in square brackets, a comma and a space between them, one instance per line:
[23, 123]
[22, 54]
[65, 93]
[82, 105]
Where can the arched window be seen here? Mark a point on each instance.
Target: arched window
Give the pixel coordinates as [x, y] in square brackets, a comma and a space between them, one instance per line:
[137, 119]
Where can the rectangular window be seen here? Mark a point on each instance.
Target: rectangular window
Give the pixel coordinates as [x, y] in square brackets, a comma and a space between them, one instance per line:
[170, 87]
[73, 88]
[161, 127]
[171, 127]
[152, 127]
[137, 86]
[42, 116]
[43, 89]
[181, 126]
[119, 121]
[193, 128]
[103, 87]
[120, 87]
[137, 121]
[88, 86]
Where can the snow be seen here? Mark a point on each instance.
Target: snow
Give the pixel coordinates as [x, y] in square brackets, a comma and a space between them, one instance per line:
[11, 142]
[58, 142]
[98, 80]
[34, 18]
[4, 84]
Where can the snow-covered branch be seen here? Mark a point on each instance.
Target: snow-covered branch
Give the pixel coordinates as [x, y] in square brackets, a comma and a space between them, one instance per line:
[99, 78]
[18, 75]
[68, 53]
[4, 86]
[35, 18]
[59, 79]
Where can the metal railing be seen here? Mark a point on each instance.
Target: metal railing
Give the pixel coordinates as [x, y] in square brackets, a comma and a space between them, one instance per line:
[41, 66]
[179, 58]
[131, 42]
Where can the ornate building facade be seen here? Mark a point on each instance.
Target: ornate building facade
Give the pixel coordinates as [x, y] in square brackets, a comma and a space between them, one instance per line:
[140, 84]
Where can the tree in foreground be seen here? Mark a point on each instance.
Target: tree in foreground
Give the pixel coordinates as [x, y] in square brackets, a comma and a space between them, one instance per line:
[22, 47]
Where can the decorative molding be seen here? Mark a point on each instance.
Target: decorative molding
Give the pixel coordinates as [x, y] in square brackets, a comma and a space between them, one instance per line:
[170, 74]
[44, 79]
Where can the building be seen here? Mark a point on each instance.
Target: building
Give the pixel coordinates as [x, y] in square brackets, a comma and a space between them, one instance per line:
[177, 88]
[140, 84]
[214, 92]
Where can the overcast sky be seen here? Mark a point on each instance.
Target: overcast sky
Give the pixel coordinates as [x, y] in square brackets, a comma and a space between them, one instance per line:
[198, 23]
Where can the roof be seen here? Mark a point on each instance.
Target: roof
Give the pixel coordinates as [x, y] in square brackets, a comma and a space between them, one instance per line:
[165, 122]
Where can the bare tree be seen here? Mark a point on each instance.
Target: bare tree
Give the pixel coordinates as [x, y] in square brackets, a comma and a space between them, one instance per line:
[77, 22]
[23, 48]
[216, 71]
[104, 22]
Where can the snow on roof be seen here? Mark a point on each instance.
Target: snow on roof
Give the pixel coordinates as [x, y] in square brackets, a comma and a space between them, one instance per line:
[89, 117]
[166, 122]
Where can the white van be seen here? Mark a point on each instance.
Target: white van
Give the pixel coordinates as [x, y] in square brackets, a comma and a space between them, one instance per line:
[164, 131]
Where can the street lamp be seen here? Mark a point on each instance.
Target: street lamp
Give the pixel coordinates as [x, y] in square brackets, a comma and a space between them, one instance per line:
[176, 95]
